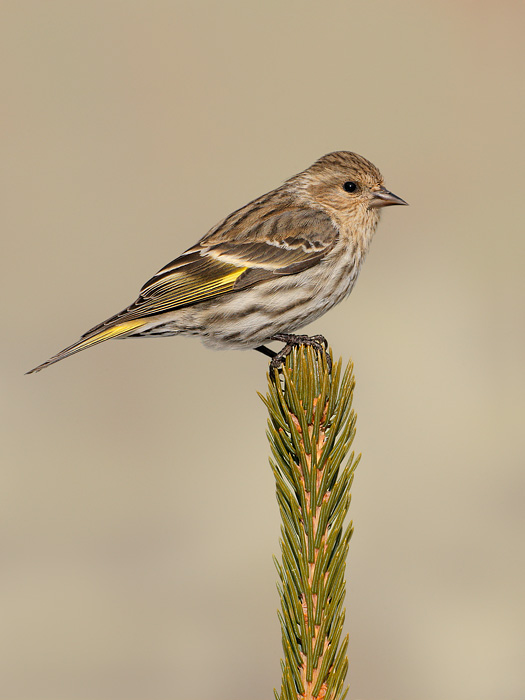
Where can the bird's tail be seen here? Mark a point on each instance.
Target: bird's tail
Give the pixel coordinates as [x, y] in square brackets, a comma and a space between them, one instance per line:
[115, 331]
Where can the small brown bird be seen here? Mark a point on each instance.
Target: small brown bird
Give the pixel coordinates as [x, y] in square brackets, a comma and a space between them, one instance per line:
[266, 270]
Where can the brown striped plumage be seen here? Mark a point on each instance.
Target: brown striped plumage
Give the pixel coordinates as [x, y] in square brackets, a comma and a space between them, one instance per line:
[268, 268]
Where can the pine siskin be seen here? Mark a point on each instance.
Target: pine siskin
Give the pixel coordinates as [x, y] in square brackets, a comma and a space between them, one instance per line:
[269, 268]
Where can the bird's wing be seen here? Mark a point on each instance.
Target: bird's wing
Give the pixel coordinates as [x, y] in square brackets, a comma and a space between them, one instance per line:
[280, 244]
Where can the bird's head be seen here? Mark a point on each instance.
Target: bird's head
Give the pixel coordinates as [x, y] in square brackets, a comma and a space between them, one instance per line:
[345, 184]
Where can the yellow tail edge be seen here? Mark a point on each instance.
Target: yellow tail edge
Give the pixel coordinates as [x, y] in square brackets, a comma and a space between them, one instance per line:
[100, 337]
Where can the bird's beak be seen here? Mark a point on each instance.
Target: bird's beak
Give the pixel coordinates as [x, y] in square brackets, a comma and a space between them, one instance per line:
[383, 198]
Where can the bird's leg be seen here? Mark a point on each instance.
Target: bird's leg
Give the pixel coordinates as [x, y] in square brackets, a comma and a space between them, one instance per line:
[318, 342]
[266, 351]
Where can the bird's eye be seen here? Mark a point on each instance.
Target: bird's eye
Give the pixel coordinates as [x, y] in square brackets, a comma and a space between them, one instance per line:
[350, 187]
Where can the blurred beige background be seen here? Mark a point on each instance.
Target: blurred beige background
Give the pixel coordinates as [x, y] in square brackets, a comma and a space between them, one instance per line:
[137, 508]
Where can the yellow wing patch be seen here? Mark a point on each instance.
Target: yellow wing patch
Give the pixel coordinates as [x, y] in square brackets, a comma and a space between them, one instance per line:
[178, 290]
[205, 290]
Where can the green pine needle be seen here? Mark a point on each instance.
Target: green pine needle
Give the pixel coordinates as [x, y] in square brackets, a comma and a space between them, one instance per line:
[311, 427]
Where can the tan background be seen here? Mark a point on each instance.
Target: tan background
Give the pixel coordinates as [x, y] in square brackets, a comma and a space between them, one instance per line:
[137, 508]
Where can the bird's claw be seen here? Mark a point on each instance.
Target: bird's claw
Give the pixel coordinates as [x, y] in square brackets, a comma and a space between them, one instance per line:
[318, 342]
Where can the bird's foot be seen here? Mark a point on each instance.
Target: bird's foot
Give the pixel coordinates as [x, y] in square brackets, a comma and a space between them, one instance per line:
[318, 342]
